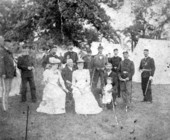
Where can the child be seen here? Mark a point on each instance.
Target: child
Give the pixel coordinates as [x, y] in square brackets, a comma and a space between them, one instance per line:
[107, 93]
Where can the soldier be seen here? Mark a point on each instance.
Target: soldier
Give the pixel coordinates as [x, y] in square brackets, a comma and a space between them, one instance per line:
[126, 71]
[115, 61]
[98, 64]
[26, 65]
[7, 70]
[147, 68]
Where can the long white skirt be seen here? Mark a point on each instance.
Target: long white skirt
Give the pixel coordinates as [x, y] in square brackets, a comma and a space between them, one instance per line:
[53, 101]
[85, 102]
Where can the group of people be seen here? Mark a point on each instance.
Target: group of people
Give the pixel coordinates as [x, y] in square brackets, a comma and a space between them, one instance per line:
[74, 78]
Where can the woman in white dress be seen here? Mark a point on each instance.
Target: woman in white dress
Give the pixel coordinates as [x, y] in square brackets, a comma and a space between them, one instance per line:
[54, 94]
[85, 102]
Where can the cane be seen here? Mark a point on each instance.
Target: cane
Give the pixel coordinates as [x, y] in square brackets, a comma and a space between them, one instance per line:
[3, 94]
[114, 110]
[26, 131]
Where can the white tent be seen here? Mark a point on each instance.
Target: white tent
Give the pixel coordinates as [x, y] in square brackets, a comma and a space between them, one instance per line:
[160, 51]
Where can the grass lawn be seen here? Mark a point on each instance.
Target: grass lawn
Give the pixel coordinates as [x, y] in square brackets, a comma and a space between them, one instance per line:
[143, 122]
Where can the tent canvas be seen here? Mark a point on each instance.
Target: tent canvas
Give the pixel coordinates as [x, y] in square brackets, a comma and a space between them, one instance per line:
[160, 51]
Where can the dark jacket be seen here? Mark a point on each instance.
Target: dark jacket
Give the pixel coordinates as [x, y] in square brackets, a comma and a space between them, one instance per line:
[126, 69]
[114, 77]
[67, 75]
[70, 55]
[87, 62]
[115, 61]
[149, 65]
[7, 64]
[24, 62]
[99, 61]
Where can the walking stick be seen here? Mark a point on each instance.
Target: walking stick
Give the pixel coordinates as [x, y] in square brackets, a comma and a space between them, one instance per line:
[114, 110]
[147, 86]
[26, 131]
[3, 94]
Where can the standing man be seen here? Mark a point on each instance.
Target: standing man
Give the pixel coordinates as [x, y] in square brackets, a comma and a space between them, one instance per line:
[98, 64]
[126, 71]
[7, 70]
[26, 65]
[115, 61]
[70, 55]
[147, 68]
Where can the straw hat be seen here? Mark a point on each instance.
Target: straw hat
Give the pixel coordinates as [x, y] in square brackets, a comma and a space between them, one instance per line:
[53, 60]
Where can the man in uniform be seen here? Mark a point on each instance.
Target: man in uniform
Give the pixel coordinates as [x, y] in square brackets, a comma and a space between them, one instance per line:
[126, 71]
[147, 68]
[26, 65]
[98, 64]
[115, 61]
[7, 70]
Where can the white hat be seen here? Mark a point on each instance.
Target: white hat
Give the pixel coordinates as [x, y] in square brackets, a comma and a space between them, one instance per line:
[69, 61]
[80, 61]
[54, 60]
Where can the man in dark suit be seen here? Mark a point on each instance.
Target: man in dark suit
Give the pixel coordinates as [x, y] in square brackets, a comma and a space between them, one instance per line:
[113, 76]
[115, 61]
[126, 71]
[70, 55]
[147, 67]
[67, 76]
[26, 65]
[7, 70]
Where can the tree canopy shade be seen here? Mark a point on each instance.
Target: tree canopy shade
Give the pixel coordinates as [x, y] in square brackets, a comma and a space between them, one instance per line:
[61, 20]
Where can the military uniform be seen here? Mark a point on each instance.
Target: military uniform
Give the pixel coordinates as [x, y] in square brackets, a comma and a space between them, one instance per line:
[148, 67]
[27, 75]
[126, 70]
[8, 69]
[115, 61]
[98, 64]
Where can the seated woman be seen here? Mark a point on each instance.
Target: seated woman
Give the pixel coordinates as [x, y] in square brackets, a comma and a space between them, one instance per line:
[53, 101]
[85, 102]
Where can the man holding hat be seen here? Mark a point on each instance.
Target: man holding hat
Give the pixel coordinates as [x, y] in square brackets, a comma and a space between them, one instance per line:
[7, 70]
[115, 61]
[26, 65]
[126, 71]
[98, 64]
[147, 68]
[70, 55]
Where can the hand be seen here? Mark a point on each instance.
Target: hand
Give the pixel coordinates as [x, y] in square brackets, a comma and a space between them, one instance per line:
[121, 79]
[29, 68]
[150, 78]
[127, 79]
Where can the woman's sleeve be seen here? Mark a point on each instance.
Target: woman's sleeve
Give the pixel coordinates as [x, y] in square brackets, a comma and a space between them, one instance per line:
[61, 81]
[73, 79]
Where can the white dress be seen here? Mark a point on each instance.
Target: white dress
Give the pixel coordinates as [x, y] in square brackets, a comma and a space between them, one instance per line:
[107, 97]
[85, 102]
[53, 101]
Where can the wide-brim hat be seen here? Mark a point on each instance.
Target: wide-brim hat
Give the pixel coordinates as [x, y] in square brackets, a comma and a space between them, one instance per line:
[69, 61]
[53, 60]
[109, 65]
[53, 50]
[80, 61]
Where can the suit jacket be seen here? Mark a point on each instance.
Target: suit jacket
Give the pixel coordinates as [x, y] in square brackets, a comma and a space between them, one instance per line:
[24, 62]
[148, 64]
[115, 61]
[114, 77]
[67, 75]
[70, 55]
[126, 69]
[7, 64]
